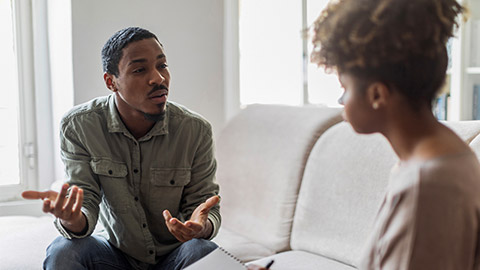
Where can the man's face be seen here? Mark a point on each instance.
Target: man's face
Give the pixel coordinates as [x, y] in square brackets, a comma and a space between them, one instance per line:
[143, 80]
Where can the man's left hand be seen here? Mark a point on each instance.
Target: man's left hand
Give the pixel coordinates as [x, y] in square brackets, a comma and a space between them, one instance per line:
[197, 227]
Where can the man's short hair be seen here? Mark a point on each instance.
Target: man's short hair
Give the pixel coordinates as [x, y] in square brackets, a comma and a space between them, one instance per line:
[112, 50]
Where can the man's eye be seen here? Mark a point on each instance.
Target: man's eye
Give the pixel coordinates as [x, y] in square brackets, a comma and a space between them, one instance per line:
[138, 70]
[163, 66]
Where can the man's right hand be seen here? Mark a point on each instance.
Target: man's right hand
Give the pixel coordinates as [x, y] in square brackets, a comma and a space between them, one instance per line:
[68, 210]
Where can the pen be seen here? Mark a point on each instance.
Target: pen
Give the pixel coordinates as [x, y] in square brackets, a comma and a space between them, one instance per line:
[269, 264]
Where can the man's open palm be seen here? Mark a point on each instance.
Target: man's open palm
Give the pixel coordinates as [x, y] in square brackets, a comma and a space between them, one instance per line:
[67, 209]
[197, 227]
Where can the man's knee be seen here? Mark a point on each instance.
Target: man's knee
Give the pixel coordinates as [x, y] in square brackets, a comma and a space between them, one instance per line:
[64, 252]
[199, 247]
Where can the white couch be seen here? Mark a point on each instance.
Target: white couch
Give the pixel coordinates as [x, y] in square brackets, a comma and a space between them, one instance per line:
[297, 185]
[301, 187]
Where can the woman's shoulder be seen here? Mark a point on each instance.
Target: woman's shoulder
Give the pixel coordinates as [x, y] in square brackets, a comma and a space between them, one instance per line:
[454, 178]
[452, 175]
[451, 166]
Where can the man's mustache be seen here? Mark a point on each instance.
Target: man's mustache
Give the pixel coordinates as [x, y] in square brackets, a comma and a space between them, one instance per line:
[156, 88]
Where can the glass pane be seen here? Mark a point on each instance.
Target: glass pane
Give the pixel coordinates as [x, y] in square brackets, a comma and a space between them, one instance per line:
[270, 52]
[322, 88]
[9, 137]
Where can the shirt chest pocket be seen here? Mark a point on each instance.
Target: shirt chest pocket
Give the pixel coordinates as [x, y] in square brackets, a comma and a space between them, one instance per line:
[167, 186]
[112, 177]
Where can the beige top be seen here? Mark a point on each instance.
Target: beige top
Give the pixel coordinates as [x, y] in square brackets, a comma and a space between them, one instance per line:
[429, 218]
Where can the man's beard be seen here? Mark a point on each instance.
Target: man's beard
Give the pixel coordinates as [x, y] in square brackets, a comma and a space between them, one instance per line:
[155, 117]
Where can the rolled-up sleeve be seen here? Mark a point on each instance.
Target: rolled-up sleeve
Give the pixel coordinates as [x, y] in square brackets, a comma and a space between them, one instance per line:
[203, 183]
[79, 173]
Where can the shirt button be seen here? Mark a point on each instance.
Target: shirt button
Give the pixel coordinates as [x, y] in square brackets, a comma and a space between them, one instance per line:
[110, 171]
[144, 225]
[136, 198]
[135, 170]
[172, 182]
[151, 251]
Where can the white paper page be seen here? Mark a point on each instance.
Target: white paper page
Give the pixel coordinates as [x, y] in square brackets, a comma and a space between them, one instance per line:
[217, 260]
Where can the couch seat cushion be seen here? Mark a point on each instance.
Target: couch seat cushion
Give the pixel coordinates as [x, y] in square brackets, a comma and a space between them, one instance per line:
[241, 247]
[301, 260]
[23, 241]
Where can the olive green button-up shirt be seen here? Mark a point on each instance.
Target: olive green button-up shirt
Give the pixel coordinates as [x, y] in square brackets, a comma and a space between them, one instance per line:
[128, 183]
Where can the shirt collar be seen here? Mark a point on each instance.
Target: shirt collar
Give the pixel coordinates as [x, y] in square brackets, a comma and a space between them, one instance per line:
[115, 123]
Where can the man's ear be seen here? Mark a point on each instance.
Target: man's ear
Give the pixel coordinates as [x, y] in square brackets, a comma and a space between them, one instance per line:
[378, 95]
[108, 78]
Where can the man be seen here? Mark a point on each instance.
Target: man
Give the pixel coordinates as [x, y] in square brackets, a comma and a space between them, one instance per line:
[142, 166]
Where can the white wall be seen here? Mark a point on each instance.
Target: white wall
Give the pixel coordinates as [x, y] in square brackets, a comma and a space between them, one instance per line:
[60, 90]
[190, 30]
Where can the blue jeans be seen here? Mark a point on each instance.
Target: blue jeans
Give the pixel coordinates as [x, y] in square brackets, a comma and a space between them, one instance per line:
[95, 252]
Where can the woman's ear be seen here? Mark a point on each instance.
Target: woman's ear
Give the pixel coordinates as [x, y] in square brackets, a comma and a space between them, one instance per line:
[378, 95]
[108, 78]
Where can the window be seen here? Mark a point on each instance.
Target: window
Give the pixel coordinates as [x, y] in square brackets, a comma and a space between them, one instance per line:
[270, 52]
[274, 55]
[323, 88]
[17, 144]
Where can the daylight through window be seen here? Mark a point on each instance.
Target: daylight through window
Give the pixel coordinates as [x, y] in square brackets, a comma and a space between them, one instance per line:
[9, 137]
[272, 55]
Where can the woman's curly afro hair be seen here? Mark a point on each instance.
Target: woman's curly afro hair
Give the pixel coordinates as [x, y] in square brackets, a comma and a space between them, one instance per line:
[399, 42]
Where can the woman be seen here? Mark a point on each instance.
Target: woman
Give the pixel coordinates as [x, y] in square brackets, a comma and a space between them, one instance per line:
[391, 59]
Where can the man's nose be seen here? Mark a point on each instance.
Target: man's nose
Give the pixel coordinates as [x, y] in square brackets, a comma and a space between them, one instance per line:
[156, 78]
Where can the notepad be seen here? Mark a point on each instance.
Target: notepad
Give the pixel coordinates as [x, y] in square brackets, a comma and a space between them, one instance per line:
[218, 259]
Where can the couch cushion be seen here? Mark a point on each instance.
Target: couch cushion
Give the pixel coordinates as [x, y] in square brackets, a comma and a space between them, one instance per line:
[301, 260]
[344, 182]
[24, 240]
[261, 156]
